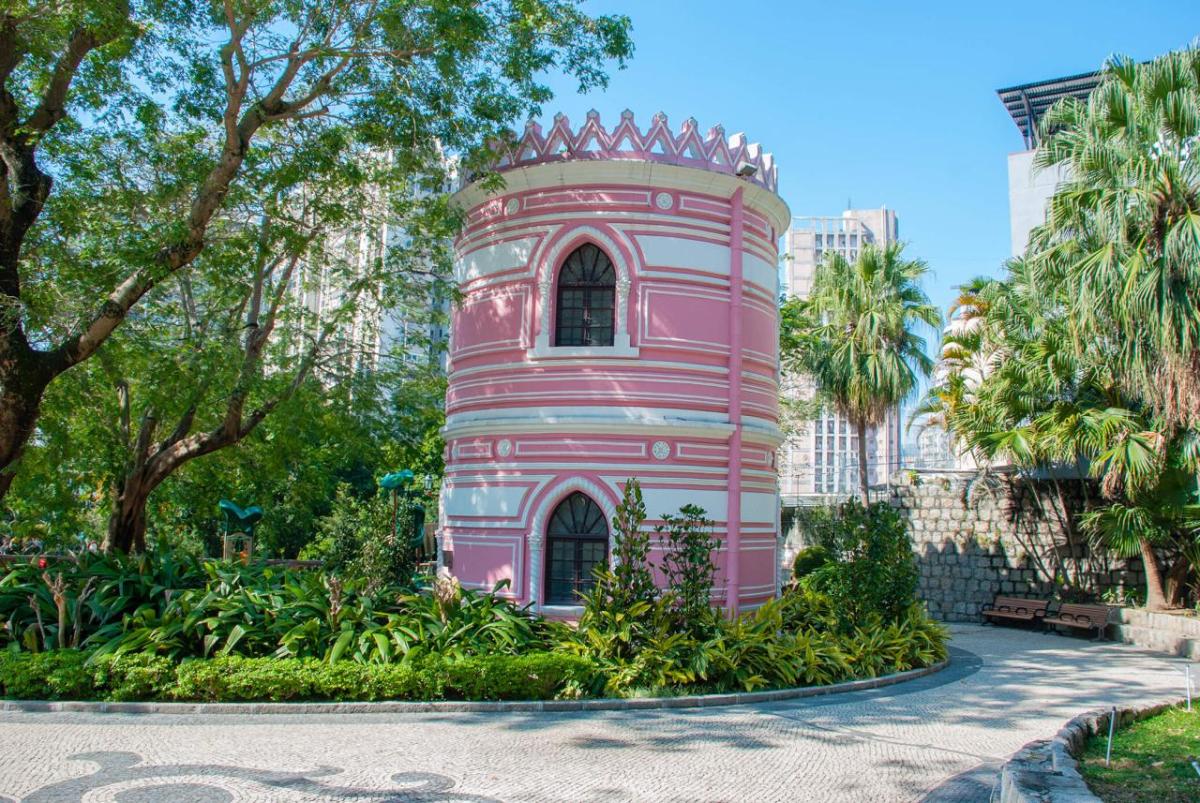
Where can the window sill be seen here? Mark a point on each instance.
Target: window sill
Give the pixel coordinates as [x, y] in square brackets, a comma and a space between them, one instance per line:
[572, 352]
[561, 611]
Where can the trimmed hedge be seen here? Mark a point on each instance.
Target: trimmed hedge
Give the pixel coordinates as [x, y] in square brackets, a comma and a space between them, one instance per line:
[68, 674]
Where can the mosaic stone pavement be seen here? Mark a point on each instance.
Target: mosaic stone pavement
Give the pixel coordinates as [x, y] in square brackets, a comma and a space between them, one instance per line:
[938, 738]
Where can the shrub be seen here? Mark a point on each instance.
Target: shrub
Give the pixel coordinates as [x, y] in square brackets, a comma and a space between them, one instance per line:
[139, 676]
[235, 678]
[809, 560]
[630, 581]
[874, 571]
[537, 676]
[356, 540]
[57, 675]
[688, 564]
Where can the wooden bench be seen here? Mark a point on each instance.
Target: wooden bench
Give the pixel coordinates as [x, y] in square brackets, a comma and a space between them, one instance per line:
[1017, 609]
[1082, 617]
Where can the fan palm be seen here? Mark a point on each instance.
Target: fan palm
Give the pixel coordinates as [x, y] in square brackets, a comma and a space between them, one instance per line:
[856, 335]
[1123, 230]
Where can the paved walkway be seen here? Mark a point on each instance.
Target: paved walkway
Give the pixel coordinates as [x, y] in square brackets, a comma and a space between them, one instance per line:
[938, 738]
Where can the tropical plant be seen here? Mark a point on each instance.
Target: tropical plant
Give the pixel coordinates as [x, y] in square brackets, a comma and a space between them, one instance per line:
[631, 578]
[856, 334]
[687, 563]
[1123, 227]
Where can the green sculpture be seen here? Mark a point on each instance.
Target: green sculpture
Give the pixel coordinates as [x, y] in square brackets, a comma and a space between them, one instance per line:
[400, 484]
[238, 538]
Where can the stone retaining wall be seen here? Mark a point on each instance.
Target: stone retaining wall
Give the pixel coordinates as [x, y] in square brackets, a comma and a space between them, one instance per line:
[1174, 634]
[978, 535]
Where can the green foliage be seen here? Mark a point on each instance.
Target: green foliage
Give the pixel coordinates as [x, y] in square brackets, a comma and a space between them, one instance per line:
[58, 675]
[631, 579]
[856, 333]
[138, 676]
[69, 674]
[534, 676]
[356, 540]
[165, 626]
[796, 640]
[875, 573]
[809, 559]
[688, 547]
[166, 604]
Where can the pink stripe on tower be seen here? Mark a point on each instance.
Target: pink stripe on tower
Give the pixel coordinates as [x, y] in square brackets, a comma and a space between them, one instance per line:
[736, 283]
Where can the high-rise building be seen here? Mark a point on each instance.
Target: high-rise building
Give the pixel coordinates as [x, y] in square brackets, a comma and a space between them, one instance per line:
[374, 323]
[820, 456]
[1029, 190]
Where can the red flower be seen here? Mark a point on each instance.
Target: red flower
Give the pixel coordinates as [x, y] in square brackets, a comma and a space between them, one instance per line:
[42, 563]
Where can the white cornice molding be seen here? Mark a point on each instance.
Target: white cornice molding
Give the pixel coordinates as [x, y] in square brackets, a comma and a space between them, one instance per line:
[562, 175]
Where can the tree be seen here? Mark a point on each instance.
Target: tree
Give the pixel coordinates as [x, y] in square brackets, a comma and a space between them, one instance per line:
[855, 334]
[1123, 228]
[1048, 410]
[125, 135]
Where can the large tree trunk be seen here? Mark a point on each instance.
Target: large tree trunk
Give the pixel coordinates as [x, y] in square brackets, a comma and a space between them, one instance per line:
[863, 481]
[22, 386]
[1156, 600]
[127, 522]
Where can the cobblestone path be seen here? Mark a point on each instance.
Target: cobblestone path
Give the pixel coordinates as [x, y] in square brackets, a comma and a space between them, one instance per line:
[937, 738]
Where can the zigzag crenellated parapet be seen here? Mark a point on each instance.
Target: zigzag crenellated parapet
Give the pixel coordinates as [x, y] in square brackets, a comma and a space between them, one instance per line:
[713, 152]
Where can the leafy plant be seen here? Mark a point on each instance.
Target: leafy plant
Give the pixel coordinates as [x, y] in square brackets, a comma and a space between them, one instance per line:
[687, 563]
[631, 579]
[809, 559]
[874, 572]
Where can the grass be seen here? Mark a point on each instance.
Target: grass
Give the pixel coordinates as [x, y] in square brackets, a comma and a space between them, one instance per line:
[1151, 760]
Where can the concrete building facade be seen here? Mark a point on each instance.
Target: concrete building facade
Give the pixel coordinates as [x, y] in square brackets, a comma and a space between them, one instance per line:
[1029, 189]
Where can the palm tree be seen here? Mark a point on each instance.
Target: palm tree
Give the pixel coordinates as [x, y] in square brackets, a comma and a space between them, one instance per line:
[855, 334]
[1044, 406]
[1123, 230]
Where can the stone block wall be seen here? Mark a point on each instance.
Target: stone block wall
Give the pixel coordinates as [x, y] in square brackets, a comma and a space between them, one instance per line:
[976, 536]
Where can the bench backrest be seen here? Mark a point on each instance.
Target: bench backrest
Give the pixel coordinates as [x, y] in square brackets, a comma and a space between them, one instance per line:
[1020, 602]
[1098, 614]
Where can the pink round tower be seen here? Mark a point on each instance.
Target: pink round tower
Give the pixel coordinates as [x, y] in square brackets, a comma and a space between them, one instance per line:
[618, 319]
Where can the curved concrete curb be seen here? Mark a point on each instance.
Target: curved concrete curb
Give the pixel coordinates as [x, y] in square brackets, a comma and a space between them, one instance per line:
[455, 706]
[1046, 771]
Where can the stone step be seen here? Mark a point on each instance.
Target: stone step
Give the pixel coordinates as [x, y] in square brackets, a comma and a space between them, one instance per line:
[1187, 626]
[1157, 640]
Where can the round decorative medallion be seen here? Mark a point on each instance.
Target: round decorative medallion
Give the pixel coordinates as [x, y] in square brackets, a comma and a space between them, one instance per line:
[664, 200]
[504, 448]
[512, 206]
[661, 450]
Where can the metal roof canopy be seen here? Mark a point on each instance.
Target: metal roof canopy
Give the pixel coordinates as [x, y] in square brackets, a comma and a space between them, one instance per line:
[1028, 102]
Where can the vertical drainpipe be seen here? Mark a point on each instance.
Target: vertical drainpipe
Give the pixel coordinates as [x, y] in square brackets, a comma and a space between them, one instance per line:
[734, 505]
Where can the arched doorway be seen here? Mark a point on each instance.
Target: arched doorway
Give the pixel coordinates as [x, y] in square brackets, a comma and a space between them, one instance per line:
[577, 542]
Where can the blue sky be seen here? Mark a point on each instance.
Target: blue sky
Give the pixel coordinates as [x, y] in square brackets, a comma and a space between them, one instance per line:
[876, 102]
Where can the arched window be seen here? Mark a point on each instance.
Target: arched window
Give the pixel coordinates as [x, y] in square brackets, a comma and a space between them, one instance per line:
[577, 539]
[586, 289]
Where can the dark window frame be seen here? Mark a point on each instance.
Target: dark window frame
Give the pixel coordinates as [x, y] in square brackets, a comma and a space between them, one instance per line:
[585, 299]
[578, 524]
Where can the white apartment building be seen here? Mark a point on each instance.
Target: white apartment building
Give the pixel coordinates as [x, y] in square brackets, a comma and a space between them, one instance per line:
[1029, 190]
[819, 459]
[412, 328]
